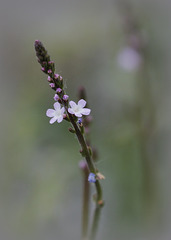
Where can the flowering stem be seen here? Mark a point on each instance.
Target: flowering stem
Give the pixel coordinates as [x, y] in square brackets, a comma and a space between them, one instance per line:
[99, 201]
[89, 161]
[56, 83]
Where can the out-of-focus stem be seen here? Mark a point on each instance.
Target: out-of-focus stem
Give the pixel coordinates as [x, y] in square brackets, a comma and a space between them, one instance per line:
[95, 223]
[86, 197]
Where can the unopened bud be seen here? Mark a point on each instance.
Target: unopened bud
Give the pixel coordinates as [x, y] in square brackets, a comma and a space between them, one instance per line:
[71, 130]
[65, 97]
[52, 85]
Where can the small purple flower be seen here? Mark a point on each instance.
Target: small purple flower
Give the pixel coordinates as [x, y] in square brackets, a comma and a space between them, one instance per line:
[78, 109]
[92, 178]
[52, 85]
[56, 114]
[61, 78]
[58, 90]
[56, 76]
[49, 79]
[43, 69]
[65, 97]
[80, 120]
[51, 62]
[49, 71]
[56, 97]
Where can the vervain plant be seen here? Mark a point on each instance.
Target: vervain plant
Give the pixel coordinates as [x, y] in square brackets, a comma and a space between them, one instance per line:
[77, 115]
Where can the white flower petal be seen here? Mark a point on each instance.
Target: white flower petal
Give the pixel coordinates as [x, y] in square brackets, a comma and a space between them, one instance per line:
[60, 119]
[85, 111]
[70, 110]
[72, 104]
[78, 114]
[62, 110]
[81, 103]
[50, 113]
[57, 106]
[52, 120]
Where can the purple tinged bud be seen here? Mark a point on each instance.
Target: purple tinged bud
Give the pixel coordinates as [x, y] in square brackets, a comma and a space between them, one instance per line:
[43, 69]
[83, 165]
[49, 79]
[71, 130]
[65, 97]
[52, 85]
[65, 117]
[56, 76]
[51, 62]
[37, 42]
[58, 90]
[61, 78]
[80, 120]
[49, 71]
[56, 97]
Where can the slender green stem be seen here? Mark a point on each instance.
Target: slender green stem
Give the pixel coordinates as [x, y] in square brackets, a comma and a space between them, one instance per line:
[99, 190]
[95, 222]
[99, 201]
[90, 163]
[85, 211]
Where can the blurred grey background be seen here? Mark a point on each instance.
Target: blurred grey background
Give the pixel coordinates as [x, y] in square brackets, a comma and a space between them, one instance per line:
[121, 53]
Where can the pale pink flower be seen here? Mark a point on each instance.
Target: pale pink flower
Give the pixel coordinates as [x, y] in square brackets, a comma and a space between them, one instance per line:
[78, 109]
[129, 59]
[56, 114]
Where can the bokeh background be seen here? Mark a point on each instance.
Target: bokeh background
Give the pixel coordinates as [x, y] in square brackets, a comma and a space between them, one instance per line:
[121, 53]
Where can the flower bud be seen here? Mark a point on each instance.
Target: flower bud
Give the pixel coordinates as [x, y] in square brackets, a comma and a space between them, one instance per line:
[56, 97]
[58, 90]
[52, 85]
[65, 97]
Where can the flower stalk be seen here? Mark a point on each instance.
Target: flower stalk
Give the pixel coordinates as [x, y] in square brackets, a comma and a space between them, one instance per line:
[86, 198]
[70, 111]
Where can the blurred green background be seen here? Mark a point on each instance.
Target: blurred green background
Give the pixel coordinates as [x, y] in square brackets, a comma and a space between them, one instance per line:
[121, 53]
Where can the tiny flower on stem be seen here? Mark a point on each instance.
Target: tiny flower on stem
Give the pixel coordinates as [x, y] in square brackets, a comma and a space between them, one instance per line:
[78, 109]
[56, 97]
[92, 178]
[65, 97]
[79, 120]
[49, 79]
[56, 114]
[56, 76]
[52, 85]
[58, 90]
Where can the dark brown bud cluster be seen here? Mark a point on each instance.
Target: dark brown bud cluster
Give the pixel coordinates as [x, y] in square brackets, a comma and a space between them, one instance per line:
[48, 66]
[42, 56]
